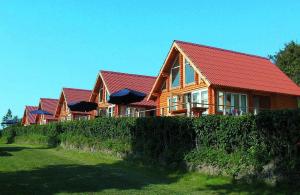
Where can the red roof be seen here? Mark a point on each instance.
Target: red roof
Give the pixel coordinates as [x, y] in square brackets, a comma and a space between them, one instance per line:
[233, 69]
[50, 106]
[31, 117]
[75, 95]
[116, 81]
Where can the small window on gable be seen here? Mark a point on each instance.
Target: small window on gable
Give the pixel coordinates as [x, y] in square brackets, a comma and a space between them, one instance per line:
[101, 94]
[175, 74]
[189, 73]
[106, 96]
[164, 85]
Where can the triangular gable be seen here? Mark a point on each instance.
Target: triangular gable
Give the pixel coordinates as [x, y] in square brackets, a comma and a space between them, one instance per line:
[174, 51]
[60, 103]
[97, 86]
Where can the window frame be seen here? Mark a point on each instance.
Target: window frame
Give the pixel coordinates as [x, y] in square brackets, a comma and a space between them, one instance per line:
[231, 97]
[169, 106]
[110, 111]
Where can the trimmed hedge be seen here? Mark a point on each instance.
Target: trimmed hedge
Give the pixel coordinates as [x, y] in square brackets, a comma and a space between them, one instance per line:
[233, 144]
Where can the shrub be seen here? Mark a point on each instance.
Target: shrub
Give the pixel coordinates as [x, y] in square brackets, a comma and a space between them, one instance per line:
[231, 143]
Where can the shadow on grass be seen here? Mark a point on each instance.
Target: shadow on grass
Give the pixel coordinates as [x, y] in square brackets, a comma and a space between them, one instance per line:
[241, 186]
[78, 179]
[7, 151]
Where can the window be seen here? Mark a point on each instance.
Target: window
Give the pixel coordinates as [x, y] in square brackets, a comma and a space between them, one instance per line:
[141, 112]
[232, 103]
[172, 103]
[204, 98]
[244, 103]
[164, 86]
[175, 74]
[196, 99]
[101, 94]
[81, 117]
[110, 111]
[189, 73]
[186, 99]
[106, 96]
[221, 101]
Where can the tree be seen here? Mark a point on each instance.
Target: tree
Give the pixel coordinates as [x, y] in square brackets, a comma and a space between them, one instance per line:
[288, 60]
[8, 116]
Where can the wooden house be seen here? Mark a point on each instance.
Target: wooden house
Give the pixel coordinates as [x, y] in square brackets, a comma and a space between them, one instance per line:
[108, 82]
[197, 79]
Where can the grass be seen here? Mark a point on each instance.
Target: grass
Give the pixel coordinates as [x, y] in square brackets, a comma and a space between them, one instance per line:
[27, 169]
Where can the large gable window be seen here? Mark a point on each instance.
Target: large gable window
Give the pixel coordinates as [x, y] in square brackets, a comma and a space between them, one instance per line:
[189, 72]
[175, 74]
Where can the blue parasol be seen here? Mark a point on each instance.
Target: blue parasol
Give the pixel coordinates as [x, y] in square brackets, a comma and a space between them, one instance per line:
[83, 106]
[126, 96]
[40, 112]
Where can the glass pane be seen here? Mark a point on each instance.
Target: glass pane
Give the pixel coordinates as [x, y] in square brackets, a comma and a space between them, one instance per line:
[204, 98]
[101, 95]
[107, 96]
[174, 103]
[189, 73]
[164, 86]
[220, 101]
[228, 103]
[244, 103]
[195, 99]
[175, 77]
[235, 104]
[186, 99]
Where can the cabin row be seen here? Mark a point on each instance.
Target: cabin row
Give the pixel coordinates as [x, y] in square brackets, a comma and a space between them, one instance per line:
[194, 80]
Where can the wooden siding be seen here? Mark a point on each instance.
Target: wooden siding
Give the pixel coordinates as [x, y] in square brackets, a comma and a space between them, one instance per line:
[162, 100]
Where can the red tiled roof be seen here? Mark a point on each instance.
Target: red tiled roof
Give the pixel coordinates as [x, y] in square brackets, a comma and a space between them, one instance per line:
[233, 69]
[75, 95]
[31, 117]
[116, 81]
[50, 106]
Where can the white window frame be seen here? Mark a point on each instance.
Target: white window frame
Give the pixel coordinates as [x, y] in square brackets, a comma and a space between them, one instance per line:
[232, 102]
[171, 77]
[110, 111]
[169, 106]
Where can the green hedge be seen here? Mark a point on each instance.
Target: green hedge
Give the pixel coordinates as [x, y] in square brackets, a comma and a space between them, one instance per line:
[233, 144]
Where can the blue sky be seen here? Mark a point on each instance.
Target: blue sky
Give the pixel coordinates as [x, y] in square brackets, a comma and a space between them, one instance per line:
[47, 45]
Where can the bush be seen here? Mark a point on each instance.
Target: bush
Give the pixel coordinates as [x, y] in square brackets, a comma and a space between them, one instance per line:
[233, 144]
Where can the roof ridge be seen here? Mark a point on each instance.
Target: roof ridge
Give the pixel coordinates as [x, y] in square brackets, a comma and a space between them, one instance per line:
[48, 99]
[221, 49]
[30, 106]
[76, 89]
[124, 73]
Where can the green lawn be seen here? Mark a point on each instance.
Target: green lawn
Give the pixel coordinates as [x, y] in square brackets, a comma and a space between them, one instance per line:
[26, 169]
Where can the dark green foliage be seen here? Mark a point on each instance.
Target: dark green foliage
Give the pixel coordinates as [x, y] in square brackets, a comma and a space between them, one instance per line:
[166, 139]
[288, 60]
[280, 131]
[234, 144]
